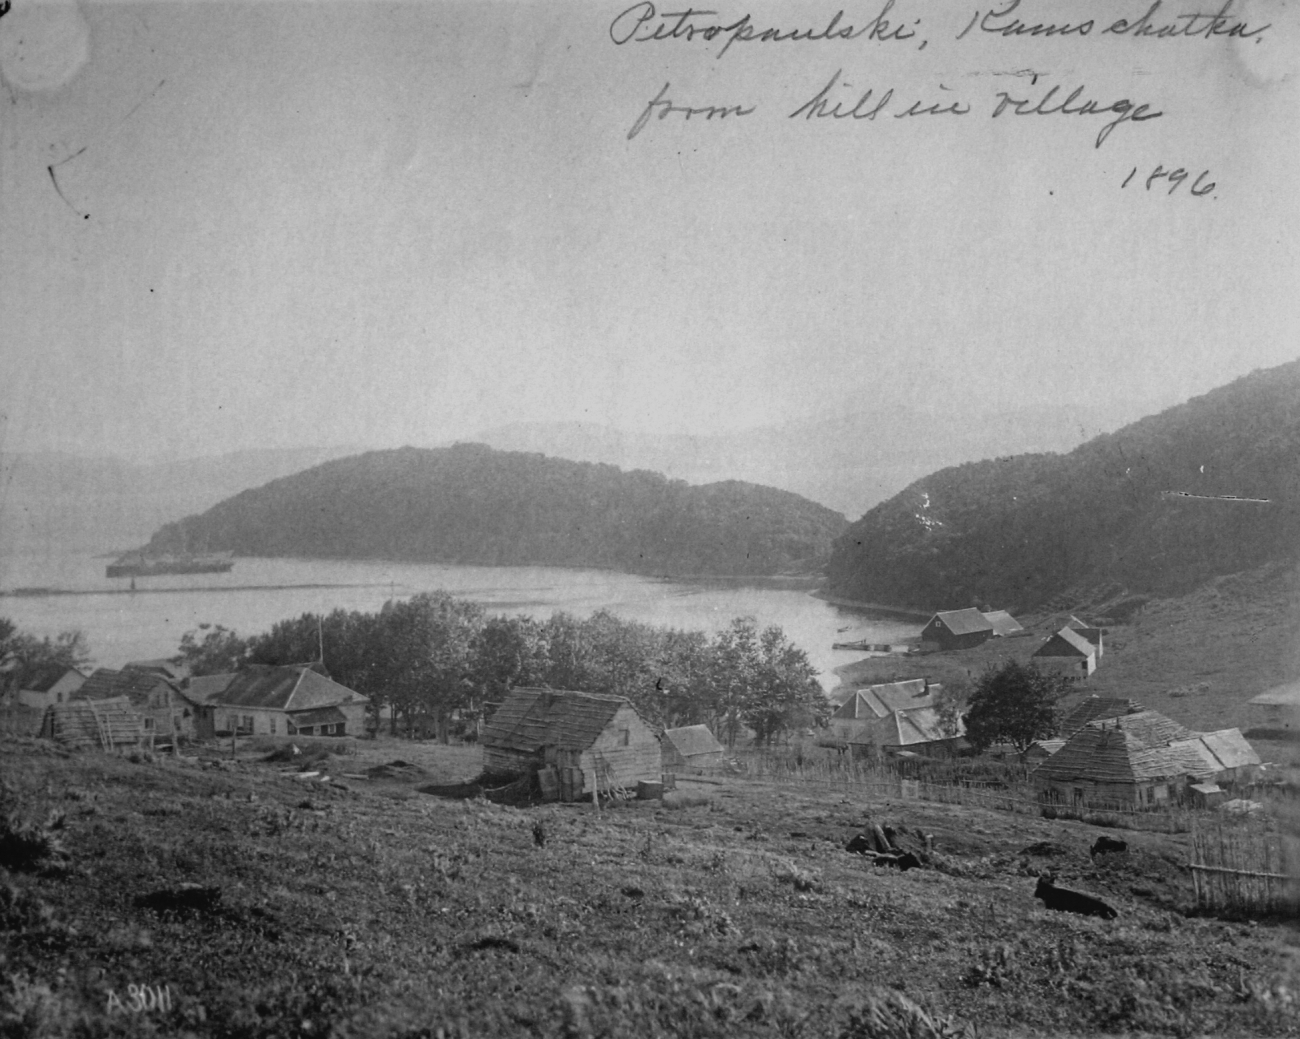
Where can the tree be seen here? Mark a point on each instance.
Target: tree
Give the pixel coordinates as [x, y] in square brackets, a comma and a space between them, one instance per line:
[211, 649]
[1016, 704]
[23, 655]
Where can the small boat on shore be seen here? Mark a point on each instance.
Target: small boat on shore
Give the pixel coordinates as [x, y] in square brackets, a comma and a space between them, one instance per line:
[138, 564]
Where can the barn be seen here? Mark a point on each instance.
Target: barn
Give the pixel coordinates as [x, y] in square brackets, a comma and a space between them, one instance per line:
[104, 724]
[1068, 650]
[956, 629]
[692, 746]
[593, 742]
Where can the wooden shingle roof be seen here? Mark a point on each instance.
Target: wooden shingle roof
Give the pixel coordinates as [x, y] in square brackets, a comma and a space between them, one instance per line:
[1003, 623]
[107, 684]
[295, 687]
[1115, 756]
[879, 701]
[1150, 728]
[1094, 707]
[529, 719]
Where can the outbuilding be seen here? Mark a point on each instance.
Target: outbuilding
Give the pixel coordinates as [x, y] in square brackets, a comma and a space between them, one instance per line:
[691, 746]
[1068, 650]
[593, 742]
[49, 684]
[956, 629]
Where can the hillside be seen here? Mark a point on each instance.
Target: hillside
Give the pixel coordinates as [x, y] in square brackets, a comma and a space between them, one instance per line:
[471, 504]
[1144, 510]
[849, 457]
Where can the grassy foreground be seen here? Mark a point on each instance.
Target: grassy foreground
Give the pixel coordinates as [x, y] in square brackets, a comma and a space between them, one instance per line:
[364, 908]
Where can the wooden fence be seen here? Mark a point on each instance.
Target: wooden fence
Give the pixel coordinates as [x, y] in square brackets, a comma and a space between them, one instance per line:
[1243, 871]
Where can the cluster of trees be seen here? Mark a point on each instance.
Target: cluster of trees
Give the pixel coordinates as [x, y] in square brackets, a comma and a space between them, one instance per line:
[432, 655]
[1204, 489]
[471, 504]
[23, 656]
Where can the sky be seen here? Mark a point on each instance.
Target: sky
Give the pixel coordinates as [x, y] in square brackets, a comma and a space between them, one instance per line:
[276, 224]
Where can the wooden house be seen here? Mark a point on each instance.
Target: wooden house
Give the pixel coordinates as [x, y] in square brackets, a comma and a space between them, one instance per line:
[894, 717]
[1093, 634]
[1069, 651]
[1140, 759]
[692, 746]
[868, 708]
[593, 742]
[290, 700]
[155, 698]
[1102, 766]
[1277, 708]
[50, 684]
[956, 629]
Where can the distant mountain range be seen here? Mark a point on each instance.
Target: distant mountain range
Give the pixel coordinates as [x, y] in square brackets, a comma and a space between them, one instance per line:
[471, 504]
[1207, 488]
[850, 460]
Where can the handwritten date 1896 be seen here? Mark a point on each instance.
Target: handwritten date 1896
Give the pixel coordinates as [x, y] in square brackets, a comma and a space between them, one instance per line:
[1176, 178]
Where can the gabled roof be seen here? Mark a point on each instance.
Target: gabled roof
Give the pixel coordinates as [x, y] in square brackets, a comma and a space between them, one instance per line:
[203, 688]
[1003, 623]
[693, 739]
[922, 725]
[529, 719]
[1073, 622]
[1065, 643]
[1222, 750]
[879, 701]
[1094, 707]
[42, 679]
[1287, 695]
[962, 622]
[168, 669]
[105, 684]
[1150, 728]
[293, 687]
[1115, 756]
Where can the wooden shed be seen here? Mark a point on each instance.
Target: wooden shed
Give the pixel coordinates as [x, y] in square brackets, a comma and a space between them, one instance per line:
[692, 746]
[106, 724]
[1068, 650]
[593, 742]
[1277, 708]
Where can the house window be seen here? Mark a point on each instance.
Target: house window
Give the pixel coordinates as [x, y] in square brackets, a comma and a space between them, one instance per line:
[306, 730]
[247, 726]
[148, 724]
[1078, 795]
[272, 726]
[1162, 792]
[60, 697]
[290, 728]
[625, 737]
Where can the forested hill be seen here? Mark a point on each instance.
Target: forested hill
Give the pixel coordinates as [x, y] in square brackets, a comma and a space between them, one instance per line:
[1142, 510]
[471, 504]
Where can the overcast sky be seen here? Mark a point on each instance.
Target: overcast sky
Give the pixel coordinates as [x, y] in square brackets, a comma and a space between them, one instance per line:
[322, 223]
